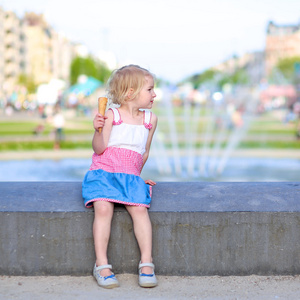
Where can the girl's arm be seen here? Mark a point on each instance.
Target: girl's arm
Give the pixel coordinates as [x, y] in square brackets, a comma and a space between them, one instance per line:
[148, 144]
[100, 140]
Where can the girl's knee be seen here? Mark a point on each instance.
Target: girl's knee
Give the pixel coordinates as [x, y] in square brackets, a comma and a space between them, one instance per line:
[138, 210]
[103, 208]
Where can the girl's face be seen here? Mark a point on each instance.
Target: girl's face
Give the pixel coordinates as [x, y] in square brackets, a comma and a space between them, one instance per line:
[147, 94]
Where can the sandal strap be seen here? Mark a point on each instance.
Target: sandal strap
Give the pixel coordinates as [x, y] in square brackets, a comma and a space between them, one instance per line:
[103, 267]
[112, 276]
[151, 265]
[147, 275]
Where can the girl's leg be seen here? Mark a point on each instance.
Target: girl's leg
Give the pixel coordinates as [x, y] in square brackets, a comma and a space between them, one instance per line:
[143, 233]
[101, 229]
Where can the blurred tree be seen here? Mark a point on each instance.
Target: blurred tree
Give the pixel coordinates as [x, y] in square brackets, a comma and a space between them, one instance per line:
[89, 67]
[199, 79]
[28, 82]
[239, 77]
[288, 67]
[103, 72]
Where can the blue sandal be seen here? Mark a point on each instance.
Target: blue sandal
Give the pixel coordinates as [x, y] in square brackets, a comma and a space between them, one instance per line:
[147, 280]
[107, 282]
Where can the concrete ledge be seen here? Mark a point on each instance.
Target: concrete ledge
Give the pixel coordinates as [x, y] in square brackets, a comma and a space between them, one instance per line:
[198, 229]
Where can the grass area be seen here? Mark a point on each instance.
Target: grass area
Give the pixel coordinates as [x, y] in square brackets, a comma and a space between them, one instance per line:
[43, 145]
[48, 145]
[270, 144]
[27, 128]
[24, 128]
[20, 128]
[79, 130]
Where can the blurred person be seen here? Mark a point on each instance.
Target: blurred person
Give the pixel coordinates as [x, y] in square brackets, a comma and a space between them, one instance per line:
[58, 123]
[39, 129]
[120, 152]
[296, 110]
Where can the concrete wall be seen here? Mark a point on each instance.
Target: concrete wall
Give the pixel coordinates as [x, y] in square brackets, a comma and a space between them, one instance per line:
[198, 229]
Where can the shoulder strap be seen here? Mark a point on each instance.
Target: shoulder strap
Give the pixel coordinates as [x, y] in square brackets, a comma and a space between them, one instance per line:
[117, 116]
[147, 119]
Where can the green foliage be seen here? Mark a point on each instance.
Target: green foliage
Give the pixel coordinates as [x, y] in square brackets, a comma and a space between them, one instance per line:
[89, 67]
[287, 66]
[220, 78]
[201, 78]
[103, 72]
[238, 77]
[28, 82]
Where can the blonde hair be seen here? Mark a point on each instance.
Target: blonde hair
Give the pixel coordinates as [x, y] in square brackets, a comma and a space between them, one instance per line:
[125, 78]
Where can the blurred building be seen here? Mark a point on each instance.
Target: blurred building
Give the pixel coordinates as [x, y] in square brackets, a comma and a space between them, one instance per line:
[48, 54]
[252, 63]
[2, 16]
[282, 41]
[12, 47]
[30, 46]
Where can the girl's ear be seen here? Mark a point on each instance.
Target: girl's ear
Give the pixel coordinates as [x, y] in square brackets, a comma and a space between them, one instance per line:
[130, 92]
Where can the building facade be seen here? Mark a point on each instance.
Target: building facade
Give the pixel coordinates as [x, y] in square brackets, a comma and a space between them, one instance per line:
[2, 16]
[31, 47]
[12, 45]
[282, 41]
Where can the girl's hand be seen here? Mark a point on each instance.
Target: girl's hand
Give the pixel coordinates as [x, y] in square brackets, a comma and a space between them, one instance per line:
[99, 121]
[150, 182]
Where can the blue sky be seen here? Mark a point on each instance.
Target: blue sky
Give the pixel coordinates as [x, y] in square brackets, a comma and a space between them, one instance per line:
[173, 38]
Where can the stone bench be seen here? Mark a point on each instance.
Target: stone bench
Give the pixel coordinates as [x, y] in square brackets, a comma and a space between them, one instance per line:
[199, 228]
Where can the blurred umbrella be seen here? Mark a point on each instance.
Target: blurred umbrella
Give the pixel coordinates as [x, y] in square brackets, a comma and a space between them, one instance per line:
[85, 87]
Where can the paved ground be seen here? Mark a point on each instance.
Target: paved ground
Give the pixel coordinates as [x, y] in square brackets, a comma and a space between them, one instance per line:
[214, 287]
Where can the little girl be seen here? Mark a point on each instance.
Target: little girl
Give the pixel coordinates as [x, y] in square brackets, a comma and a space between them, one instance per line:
[120, 152]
